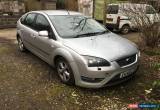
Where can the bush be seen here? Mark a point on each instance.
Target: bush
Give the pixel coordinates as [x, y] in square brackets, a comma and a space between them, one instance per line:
[148, 25]
[151, 34]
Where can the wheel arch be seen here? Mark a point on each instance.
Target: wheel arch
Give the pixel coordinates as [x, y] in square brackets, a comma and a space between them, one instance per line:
[127, 24]
[124, 22]
[60, 52]
[17, 35]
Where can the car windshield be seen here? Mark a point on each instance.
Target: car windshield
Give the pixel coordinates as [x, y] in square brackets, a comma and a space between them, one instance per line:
[72, 26]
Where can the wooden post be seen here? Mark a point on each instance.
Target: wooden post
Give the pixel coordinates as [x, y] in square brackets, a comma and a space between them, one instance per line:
[66, 4]
[93, 9]
[104, 13]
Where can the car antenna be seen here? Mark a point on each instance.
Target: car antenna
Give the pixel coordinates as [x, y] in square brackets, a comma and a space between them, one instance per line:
[68, 12]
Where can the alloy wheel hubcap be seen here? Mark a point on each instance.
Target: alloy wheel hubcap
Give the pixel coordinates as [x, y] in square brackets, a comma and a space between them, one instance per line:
[125, 30]
[63, 71]
[20, 44]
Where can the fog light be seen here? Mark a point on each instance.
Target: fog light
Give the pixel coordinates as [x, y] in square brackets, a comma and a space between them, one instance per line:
[92, 80]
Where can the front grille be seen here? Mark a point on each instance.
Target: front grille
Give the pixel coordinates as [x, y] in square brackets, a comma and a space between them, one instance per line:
[127, 60]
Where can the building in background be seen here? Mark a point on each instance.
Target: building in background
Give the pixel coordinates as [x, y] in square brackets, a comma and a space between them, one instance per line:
[31, 5]
[67, 5]
[12, 6]
[11, 10]
[22, 6]
[85, 7]
[71, 5]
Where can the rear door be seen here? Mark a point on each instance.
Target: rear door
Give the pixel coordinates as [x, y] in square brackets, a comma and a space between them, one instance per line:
[112, 14]
[28, 31]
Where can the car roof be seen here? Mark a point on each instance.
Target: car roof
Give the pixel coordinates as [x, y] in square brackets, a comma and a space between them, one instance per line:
[58, 12]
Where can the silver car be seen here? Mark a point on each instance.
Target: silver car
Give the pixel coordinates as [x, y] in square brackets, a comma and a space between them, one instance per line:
[83, 51]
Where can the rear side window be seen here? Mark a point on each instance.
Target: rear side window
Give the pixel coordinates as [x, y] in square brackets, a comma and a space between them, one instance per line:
[29, 20]
[112, 9]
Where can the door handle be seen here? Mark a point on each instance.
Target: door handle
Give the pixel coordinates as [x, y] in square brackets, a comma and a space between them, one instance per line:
[52, 46]
[34, 36]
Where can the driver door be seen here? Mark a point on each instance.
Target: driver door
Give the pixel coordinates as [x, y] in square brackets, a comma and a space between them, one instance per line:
[45, 45]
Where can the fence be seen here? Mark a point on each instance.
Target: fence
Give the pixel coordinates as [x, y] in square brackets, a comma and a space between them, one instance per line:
[8, 21]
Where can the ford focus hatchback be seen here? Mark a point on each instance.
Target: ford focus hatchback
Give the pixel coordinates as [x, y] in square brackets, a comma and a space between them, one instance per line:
[83, 52]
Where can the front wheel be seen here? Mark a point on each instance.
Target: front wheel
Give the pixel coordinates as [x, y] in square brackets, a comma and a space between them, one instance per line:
[21, 45]
[65, 71]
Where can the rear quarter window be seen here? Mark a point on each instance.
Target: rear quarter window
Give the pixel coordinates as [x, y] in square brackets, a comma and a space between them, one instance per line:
[112, 9]
[22, 19]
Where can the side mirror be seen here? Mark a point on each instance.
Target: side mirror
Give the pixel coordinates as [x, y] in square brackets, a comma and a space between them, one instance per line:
[43, 33]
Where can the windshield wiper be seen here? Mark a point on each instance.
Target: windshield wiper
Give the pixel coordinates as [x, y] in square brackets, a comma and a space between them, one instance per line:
[84, 35]
[90, 34]
[103, 32]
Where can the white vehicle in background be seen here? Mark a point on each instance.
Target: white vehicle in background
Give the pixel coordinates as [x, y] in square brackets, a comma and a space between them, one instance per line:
[119, 18]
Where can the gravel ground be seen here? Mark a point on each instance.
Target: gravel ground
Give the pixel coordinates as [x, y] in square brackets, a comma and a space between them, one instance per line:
[28, 83]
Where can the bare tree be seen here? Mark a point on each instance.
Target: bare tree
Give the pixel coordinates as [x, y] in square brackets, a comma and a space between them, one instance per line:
[146, 20]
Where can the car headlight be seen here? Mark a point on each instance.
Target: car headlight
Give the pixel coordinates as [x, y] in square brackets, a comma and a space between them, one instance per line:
[96, 62]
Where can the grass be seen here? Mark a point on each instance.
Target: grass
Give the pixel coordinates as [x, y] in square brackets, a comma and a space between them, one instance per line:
[156, 66]
[26, 82]
[152, 52]
[3, 50]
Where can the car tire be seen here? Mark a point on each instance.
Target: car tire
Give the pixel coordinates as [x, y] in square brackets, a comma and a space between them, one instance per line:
[21, 45]
[64, 71]
[125, 29]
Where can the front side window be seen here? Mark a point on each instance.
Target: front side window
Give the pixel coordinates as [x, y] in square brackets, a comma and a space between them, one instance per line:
[150, 10]
[29, 21]
[70, 26]
[41, 23]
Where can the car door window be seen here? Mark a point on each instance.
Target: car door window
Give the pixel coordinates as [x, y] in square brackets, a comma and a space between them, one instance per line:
[42, 24]
[150, 10]
[29, 21]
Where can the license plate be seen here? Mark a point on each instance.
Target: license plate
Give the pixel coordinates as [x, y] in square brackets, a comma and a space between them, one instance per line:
[109, 19]
[125, 74]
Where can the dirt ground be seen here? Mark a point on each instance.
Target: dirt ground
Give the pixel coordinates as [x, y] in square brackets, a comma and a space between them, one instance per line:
[28, 83]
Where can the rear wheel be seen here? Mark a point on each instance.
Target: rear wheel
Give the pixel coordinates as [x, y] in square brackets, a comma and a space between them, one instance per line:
[64, 71]
[21, 45]
[125, 29]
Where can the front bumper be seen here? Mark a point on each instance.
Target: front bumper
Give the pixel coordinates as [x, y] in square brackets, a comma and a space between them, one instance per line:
[107, 76]
[117, 80]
